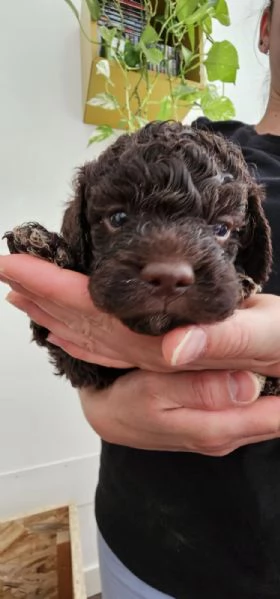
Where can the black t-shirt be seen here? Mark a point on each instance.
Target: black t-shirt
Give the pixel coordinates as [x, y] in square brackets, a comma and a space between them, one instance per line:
[192, 526]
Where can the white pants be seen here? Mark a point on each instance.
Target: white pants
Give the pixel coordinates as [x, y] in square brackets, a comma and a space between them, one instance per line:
[118, 582]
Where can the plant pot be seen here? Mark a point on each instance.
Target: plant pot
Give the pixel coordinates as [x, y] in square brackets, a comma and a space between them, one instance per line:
[93, 84]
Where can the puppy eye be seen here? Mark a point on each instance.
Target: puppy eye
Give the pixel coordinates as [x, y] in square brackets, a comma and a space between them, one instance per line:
[227, 178]
[221, 230]
[117, 220]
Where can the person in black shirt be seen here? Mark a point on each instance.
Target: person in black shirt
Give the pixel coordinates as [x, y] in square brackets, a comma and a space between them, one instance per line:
[199, 514]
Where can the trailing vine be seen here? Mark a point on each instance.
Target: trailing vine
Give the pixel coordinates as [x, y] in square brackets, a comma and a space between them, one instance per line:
[170, 23]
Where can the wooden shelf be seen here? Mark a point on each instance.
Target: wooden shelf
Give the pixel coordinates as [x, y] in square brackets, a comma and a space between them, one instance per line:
[40, 556]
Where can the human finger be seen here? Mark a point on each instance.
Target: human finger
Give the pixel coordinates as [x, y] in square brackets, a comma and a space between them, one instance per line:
[78, 352]
[250, 336]
[45, 279]
[217, 433]
[60, 333]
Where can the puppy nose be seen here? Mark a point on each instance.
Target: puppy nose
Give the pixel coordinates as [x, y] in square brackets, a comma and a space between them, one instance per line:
[168, 276]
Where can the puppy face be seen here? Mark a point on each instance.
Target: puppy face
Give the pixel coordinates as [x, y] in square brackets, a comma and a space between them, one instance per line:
[168, 223]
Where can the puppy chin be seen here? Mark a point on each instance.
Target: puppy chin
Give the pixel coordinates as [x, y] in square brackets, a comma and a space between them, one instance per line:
[161, 323]
[153, 324]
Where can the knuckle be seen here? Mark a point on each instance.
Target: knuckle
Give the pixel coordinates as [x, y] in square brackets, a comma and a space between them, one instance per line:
[208, 388]
[209, 445]
[86, 327]
[90, 345]
[234, 341]
[222, 452]
[100, 322]
[211, 438]
[240, 340]
[273, 428]
[213, 448]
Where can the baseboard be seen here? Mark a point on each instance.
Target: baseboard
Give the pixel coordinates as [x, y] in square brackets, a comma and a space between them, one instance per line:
[68, 481]
[92, 578]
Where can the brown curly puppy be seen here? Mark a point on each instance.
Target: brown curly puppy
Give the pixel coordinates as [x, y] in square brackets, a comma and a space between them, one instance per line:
[169, 225]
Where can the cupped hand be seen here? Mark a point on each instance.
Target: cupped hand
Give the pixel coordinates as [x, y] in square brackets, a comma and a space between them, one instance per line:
[194, 412]
[59, 300]
[211, 412]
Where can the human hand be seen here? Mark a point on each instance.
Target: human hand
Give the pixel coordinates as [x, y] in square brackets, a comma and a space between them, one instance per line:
[192, 411]
[59, 300]
[179, 412]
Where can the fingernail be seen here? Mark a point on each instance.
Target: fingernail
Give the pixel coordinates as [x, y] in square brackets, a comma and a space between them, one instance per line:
[9, 298]
[16, 302]
[245, 387]
[190, 348]
[53, 339]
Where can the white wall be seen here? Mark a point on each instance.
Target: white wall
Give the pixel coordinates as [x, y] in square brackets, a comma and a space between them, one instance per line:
[48, 454]
[251, 90]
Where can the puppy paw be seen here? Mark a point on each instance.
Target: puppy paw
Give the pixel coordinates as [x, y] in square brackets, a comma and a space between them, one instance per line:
[271, 387]
[32, 238]
[248, 287]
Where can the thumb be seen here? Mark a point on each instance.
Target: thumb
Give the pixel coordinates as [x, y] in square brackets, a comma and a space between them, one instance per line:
[208, 390]
[223, 340]
[251, 333]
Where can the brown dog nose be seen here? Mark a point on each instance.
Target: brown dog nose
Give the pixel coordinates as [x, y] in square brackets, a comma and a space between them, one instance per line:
[168, 277]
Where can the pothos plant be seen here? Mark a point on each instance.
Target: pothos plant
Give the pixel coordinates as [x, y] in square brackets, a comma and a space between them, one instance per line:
[176, 22]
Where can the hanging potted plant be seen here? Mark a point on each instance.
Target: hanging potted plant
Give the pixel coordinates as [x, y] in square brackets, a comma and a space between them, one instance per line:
[152, 59]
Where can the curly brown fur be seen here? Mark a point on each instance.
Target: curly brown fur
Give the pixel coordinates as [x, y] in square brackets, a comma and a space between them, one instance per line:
[157, 202]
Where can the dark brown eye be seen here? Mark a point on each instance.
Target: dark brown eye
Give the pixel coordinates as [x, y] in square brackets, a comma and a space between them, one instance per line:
[221, 230]
[117, 220]
[227, 178]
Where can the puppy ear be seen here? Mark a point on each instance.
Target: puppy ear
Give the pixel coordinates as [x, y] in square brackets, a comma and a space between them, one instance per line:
[255, 254]
[75, 227]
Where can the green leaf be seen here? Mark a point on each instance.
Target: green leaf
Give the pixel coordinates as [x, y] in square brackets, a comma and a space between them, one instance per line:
[191, 34]
[132, 56]
[186, 93]
[186, 55]
[221, 109]
[103, 68]
[185, 8]
[149, 35]
[200, 14]
[153, 55]
[212, 3]
[222, 13]
[104, 100]
[222, 62]
[94, 9]
[101, 132]
[166, 109]
[110, 36]
[107, 34]
[207, 25]
[215, 107]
